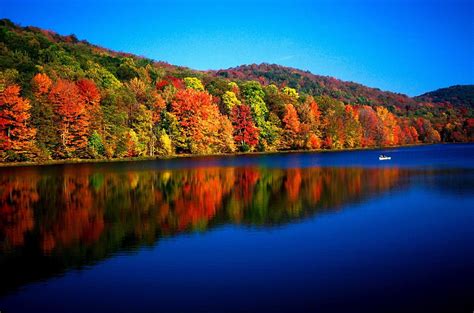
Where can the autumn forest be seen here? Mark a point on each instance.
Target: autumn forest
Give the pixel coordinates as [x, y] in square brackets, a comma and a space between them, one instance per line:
[62, 98]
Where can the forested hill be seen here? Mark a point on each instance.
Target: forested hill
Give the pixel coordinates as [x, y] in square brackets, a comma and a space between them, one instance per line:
[28, 48]
[32, 49]
[459, 95]
[305, 81]
[61, 97]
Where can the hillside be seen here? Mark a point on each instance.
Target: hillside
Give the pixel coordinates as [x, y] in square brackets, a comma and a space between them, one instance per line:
[459, 95]
[27, 48]
[304, 81]
[61, 97]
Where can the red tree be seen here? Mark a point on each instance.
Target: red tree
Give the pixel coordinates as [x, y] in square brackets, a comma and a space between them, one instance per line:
[170, 80]
[187, 106]
[72, 115]
[199, 119]
[91, 96]
[245, 131]
[89, 92]
[370, 126]
[15, 134]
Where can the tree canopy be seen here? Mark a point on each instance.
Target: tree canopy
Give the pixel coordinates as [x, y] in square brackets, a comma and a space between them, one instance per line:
[63, 98]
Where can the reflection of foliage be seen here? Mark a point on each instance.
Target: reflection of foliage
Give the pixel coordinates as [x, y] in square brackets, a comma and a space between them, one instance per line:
[17, 196]
[80, 215]
[76, 206]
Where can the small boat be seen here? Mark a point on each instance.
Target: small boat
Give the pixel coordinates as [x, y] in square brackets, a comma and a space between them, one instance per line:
[384, 157]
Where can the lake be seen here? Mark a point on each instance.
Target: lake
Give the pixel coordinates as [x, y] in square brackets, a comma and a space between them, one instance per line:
[291, 232]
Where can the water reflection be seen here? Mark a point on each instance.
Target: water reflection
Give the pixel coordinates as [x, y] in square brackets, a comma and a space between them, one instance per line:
[71, 216]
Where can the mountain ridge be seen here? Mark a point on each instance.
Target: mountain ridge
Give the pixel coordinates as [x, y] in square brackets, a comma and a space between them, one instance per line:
[346, 91]
[304, 80]
[460, 95]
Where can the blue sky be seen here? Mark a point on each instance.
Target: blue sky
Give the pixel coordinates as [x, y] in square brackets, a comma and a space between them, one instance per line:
[403, 46]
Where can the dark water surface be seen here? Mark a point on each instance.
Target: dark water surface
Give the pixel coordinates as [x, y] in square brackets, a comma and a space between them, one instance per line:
[339, 231]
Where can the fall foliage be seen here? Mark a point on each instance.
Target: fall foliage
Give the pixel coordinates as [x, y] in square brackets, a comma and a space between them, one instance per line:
[74, 100]
[245, 131]
[72, 117]
[15, 134]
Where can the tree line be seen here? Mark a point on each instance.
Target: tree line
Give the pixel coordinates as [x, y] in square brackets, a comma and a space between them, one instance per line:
[64, 118]
[63, 98]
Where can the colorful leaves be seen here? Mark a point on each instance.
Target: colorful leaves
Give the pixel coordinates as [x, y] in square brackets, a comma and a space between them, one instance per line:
[200, 121]
[166, 114]
[41, 84]
[15, 133]
[245, 131]
[72, 116]
[193, 83]
[292, 127]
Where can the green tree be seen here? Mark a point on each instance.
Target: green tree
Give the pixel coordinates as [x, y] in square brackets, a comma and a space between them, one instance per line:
[102, 76]
[42, 114]
[253, 95]
[96, 146]
[274, 100]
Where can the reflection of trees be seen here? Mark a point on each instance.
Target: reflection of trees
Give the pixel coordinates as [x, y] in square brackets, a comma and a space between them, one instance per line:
[77, 205]
[73, 217]
[17, 196]
[76, 215]
[280, 196]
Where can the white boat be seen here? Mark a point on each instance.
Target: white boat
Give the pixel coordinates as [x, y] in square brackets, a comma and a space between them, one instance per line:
[383, 157]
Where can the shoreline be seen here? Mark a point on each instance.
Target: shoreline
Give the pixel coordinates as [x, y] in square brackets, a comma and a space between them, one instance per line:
[179, 156]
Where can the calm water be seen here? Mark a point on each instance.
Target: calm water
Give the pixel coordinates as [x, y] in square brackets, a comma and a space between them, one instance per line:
[296, 232]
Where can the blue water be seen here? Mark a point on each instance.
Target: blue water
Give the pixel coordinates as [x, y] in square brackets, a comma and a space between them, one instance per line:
[338, 231]
[430, 156]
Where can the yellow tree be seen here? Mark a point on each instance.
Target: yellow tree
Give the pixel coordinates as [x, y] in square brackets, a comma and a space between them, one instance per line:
[352, 127]
[388, 123]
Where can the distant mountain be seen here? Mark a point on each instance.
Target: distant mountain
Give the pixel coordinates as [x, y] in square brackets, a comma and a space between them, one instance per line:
[348, 92]
[459, 95]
